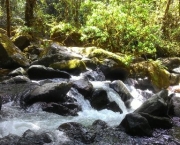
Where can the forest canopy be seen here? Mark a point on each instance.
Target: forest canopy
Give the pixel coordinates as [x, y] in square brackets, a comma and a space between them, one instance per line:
[140, 27]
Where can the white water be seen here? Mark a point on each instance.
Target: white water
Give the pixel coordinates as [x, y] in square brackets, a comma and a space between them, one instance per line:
[16, 121]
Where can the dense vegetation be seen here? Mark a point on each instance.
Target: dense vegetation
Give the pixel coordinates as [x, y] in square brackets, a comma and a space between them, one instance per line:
[146, 28]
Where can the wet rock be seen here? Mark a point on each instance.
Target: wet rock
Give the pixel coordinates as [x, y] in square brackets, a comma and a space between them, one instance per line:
[42, 72]
[175, 106]
[136, 125]
[83, 86]
[55, 53]
[50, 92]
[65, 109]
[112, 70]
[90, 63]
[16, 72]
[11, 139]
[10, 55]
[99, 124]
[77, 132]
[0, 102]
[158, 75]
[141, 83]
[171, 62]
[95, 75]
[115, 74]
[73, 66]
[123, 92]
[101, 101]
[158, 122]
[174, 79]
[16, 80]
[30, 137]
[22, 41]
[156, 105]
[11, 91]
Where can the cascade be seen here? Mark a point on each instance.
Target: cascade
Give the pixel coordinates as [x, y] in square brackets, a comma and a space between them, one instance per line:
[16, 121]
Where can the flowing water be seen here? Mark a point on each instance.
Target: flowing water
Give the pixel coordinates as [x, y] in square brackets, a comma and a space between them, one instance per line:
[15, 121]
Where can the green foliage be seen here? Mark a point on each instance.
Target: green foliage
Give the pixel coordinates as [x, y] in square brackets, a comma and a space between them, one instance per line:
[135, 27]
[1, 11]
[61, 27]
[124, 28]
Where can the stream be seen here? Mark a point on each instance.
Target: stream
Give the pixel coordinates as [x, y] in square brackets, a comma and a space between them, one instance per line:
[16, 121]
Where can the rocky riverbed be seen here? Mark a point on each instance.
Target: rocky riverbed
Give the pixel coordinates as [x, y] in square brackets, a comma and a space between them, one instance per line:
[77, 95]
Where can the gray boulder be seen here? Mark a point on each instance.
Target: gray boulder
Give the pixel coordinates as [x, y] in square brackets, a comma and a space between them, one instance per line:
[158, 122]
[156, 105]
[175, 106]
[41, 72]
[123, 92]
[83, 86]
[18, 71]
[100, 100]
[135, 124]
[50, 92]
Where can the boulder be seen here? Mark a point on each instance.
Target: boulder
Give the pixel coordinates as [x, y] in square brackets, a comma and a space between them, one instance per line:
[101, 101]
[171, 62]
[0, 102]
[10, 139]
[55, 53]
[155, 71]
[83, 86]
[16, 72]
[30, 137]
[136, 125]
[113, 70]
[74, 66]
[65, 109]
[49, 92]
[91, 63]
[101, 54]
[156, 105]
[77, 132]
[175, 106]
[158, 122]
[22, 41]
[99, 124]
[123, 92]
[17, 80]
[10, 55]
[41, 72]
[95, 75]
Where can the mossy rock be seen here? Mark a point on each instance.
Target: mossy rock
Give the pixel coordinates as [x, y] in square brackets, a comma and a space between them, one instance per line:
[22, 41]
[74, 66]
[10, 55]
[102, 54]
[159, 76]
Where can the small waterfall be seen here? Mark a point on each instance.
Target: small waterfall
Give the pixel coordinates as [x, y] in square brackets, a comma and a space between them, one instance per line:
[112, 95]
[14, 120]
[80, 99]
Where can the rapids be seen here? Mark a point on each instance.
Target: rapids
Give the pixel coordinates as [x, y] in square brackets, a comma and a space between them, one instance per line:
[16, 121]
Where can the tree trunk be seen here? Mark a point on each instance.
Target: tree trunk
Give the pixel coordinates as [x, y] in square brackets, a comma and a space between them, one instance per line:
[8, 18]
[165, 20]
[29, 9]
[167, 8]
[179, 7]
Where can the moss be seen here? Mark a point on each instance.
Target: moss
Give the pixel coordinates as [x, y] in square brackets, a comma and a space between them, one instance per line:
[73, 64]
[159, 76]
[101, 54]
[9, 50]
